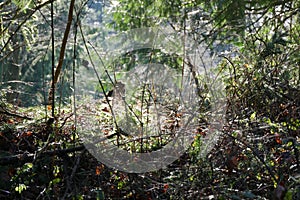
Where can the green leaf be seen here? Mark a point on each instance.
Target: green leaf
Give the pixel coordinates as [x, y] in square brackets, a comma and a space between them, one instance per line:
[21, 187]
[288, 195]
[253, 116]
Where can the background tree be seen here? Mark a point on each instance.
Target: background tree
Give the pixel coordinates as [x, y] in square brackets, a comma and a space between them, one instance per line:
[25, 50]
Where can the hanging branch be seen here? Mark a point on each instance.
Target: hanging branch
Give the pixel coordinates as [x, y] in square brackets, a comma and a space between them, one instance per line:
[62, 52]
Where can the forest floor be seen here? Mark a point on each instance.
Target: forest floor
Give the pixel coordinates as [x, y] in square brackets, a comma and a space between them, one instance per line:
[45, 159]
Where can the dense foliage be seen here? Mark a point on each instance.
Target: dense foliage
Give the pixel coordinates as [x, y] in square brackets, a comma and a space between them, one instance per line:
[255, 48]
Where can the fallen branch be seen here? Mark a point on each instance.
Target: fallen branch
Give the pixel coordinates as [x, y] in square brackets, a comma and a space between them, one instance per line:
[6, 112]
[29, 157]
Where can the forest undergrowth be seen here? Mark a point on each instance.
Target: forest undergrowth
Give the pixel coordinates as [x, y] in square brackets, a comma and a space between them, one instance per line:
[256, 157]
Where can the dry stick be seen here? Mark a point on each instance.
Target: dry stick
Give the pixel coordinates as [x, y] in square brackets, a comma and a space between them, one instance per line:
[63, 48]
[189, 64]
[102, 87]
[98, 77]
[20, 159]
[194, 74]
[74, 77]
[70, 178]
[101, 60]
[51, 93]
[6, 112]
